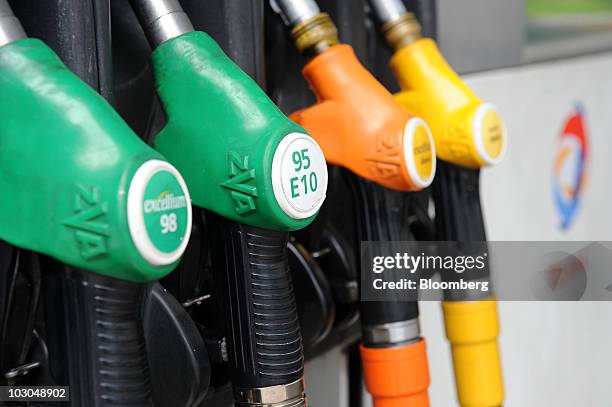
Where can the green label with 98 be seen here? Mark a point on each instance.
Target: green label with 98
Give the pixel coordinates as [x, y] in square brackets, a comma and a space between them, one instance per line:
[165, 212]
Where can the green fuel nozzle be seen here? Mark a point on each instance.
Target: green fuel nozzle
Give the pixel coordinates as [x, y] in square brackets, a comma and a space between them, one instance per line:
[258, 175]
[246, 160]
[81, 187]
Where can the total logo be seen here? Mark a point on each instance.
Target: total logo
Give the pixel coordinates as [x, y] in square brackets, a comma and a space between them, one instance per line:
[570, 167]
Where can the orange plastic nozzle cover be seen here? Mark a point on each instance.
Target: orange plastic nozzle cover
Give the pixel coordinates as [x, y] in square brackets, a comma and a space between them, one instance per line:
[398, 376]
[361, 126]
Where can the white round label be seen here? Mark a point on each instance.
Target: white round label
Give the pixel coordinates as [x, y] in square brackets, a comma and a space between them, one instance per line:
[159, 212]
[490, 133]
[299, 175]
[419, 152]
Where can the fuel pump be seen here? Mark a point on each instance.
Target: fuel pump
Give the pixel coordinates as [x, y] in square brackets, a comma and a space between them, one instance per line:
[258, 176]
[87, 192]
[469, 134]
[386, 153]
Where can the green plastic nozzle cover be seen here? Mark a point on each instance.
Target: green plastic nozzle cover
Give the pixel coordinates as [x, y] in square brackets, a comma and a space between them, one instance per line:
[223, 133]
[77, 184]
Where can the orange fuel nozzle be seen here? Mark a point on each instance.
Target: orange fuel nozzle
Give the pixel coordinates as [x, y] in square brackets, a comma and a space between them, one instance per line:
[356, 121]
[360, 125]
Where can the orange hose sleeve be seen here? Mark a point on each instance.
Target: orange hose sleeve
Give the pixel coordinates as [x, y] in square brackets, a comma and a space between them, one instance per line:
[398, 376]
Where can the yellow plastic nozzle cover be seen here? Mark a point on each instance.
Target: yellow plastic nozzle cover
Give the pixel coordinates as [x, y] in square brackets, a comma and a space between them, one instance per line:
[466, 131]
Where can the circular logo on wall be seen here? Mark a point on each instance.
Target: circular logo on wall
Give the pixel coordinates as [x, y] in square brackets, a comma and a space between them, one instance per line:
[570, 167]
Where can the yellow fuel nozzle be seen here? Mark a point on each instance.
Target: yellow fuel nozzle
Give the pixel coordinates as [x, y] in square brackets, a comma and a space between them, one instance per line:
[469, 133]
[466, 131]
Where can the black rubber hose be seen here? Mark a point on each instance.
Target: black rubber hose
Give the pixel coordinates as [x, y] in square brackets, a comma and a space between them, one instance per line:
[381, 217]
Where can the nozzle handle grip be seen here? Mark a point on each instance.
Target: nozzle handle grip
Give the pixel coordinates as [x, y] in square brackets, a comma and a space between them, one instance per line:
[104, 334]
[456, 193]
[254, 285]
[381, 216]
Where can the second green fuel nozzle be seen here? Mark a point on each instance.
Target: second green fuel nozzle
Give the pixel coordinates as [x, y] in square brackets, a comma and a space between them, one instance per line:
[258, 166]
[257, 175]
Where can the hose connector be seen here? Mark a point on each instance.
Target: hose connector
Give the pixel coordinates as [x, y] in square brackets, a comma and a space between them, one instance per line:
[161, 20]
[400, 27]
[10, 27]
[315, 35]
[402, 31]
[311, 30]
[395, 366]
[391, 333]
[294, 12]
[287, 395]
